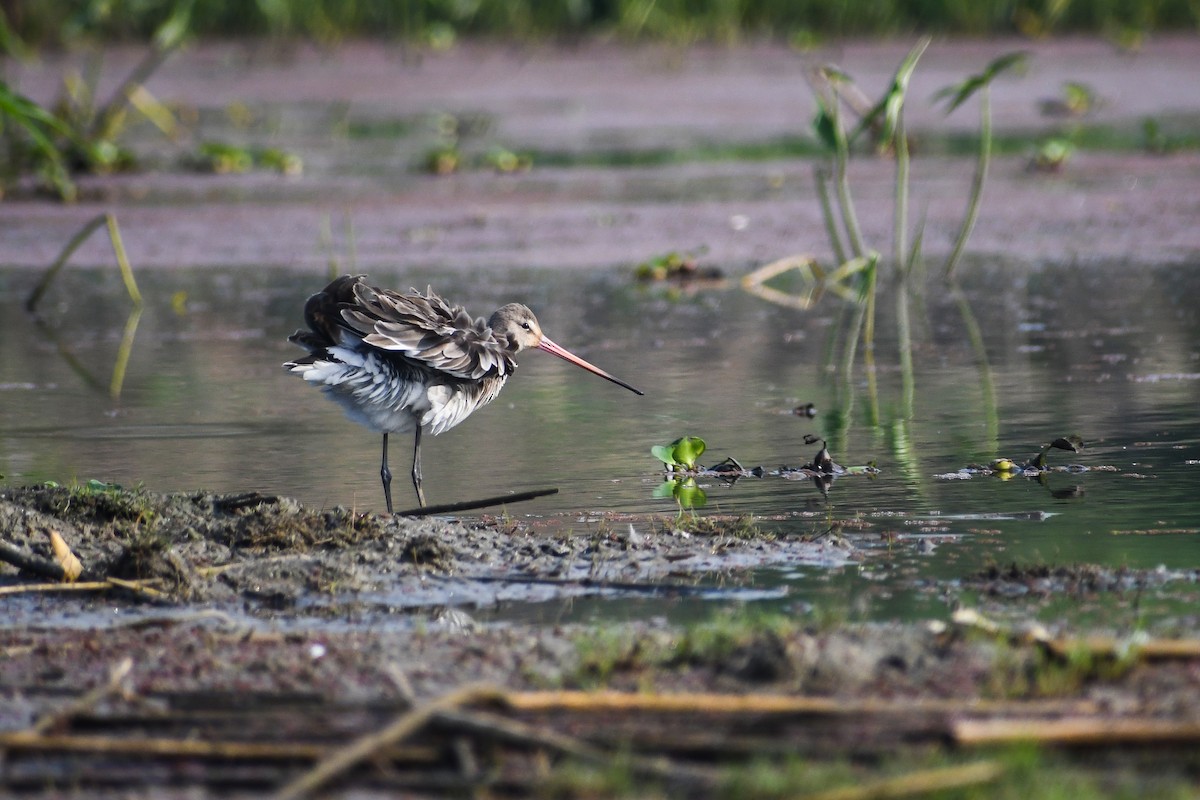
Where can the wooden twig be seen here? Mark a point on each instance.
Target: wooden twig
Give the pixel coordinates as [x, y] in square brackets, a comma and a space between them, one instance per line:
[23, 559]
[365, 747]
[1096, 731]
[704, 703]
[1152, 649]
[138, 587]
[514, 732]
[471, 505]
[116, 677]
[83, 586]
[917, 784]
[170, 748]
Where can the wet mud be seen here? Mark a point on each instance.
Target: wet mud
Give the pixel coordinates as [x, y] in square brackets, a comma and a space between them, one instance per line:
[259, 555]
[239, 642]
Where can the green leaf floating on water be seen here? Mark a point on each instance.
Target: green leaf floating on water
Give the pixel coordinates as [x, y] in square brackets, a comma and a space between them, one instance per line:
[665, 454]
[687, 449]
[682, 452]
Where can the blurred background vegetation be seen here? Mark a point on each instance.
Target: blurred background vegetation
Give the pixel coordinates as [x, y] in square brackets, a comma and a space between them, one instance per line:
[49, 23]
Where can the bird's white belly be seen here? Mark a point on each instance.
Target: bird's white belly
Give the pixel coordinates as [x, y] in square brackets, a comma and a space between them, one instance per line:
[374, 394]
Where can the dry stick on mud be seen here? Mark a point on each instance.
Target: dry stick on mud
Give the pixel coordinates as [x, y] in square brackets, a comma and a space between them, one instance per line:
[1095, 731]
[523, 734]
[171, 748]
[1152, 650]
[405, 725]
[143, 586]
[471, 505]
[27, 561]
[116, 682]
[764, 704]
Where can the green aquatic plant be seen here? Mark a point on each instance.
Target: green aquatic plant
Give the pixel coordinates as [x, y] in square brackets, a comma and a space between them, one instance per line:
[686, 492]
[34, 142]
[845, 121]
[80, 134]
[117, 381]
[223, 158]
[1052, 154]
[681, 453]
[956, 95]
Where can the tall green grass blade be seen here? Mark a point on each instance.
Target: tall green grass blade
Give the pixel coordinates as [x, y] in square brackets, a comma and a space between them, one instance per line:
[169, 37]
[961, 92]
[991, 412]
[957, 95]
[124, 351]
[900, 202]
[821, 177]
[10, 43]
[977, 182]
[118, 246]
[841, 163]
[889, 108]
[908, 383]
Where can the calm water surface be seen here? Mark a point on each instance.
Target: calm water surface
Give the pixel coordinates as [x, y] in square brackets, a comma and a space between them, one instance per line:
[1095, 350]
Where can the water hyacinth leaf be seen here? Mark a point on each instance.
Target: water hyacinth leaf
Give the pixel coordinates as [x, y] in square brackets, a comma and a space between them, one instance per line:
[687, 449]
[665, 454]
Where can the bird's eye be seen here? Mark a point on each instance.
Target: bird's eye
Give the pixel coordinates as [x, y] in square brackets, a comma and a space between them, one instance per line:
[526, 326]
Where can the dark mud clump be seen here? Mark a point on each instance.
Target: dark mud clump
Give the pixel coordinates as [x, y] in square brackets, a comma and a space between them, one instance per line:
[1073, 580]
[250, 552]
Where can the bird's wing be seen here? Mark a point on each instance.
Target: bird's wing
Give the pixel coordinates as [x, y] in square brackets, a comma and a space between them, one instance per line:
[425, 329]
[323, 315]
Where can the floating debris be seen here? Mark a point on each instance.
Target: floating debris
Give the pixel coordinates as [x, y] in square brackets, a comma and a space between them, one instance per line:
[806, 410]
[1035, 467]
[677, 267]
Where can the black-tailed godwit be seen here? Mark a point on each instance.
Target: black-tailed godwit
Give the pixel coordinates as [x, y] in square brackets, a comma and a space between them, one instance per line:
[400, 362]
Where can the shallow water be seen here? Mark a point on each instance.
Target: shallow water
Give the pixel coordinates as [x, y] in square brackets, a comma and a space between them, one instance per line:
[1094, 350]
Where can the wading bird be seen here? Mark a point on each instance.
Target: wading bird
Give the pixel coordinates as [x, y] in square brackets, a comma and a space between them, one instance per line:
[400, 362]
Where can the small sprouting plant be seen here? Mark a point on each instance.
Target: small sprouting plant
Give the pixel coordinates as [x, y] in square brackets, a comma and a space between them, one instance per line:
[1052, 154]
[666, 265]
[223, 158]
[681, 453]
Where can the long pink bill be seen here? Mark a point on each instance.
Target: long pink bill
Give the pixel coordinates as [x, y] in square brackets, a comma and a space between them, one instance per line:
[566, 355]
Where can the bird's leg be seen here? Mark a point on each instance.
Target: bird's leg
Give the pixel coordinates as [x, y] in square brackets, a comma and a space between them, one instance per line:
[416, 472]
[386, 475]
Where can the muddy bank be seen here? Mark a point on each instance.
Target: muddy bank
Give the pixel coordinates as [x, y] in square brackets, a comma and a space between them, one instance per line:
[201, 708]
[252, 637]
[265, 555]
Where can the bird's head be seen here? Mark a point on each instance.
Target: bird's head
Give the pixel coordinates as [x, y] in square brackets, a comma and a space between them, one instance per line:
[516, 325]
